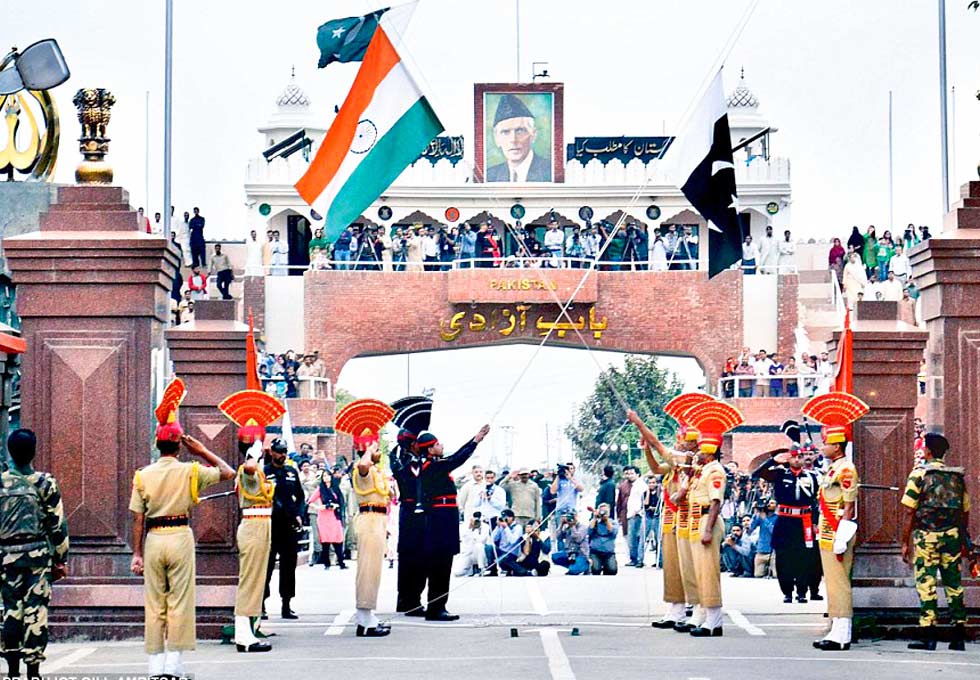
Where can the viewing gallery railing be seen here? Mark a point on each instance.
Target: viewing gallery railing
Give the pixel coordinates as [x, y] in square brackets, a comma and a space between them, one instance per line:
[308, 387]
[789, 385]
[510, 262]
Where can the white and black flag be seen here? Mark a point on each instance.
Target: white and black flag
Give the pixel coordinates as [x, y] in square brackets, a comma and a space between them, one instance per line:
[703, 167]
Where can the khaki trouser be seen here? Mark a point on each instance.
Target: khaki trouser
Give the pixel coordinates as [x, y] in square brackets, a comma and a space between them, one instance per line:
[707, 564]
[837, 575]
[673, 585]
[685, 562]
[254, 542]
[168, 590]
[370, 529]
[764, 562]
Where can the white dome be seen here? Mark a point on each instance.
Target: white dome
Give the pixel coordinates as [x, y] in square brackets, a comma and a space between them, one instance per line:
[742, 97]
[293, 96]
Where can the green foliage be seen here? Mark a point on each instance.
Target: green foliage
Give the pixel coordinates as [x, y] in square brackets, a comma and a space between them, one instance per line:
[599, 421]
[342, 397]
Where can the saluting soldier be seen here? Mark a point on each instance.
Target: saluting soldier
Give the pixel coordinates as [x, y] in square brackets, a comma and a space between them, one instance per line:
[685, 558]
[838, 511]
[164, 493]
[707, 490]
[33, 554]
[677, 589]
[252, 411]
[937, 506]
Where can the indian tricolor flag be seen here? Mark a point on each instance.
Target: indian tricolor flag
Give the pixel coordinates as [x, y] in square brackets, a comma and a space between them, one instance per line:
[383, 126]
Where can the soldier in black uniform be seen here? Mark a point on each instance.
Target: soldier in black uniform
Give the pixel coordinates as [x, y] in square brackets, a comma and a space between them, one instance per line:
[411, 524]
[437, 543]
[287, 521]
[794, 535]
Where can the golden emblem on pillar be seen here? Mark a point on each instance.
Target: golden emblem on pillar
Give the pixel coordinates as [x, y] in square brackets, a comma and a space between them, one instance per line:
[27, 147]
[94, 110]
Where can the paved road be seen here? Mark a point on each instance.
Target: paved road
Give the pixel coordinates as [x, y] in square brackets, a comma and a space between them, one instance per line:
[763, 637]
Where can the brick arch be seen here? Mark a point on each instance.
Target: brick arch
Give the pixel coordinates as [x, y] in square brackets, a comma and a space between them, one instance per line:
[353, 314]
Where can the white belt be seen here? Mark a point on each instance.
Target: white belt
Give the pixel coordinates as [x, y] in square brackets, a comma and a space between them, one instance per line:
[257, 512]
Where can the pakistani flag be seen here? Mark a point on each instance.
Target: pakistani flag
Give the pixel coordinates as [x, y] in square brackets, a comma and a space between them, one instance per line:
[705, 171]
[347, 39]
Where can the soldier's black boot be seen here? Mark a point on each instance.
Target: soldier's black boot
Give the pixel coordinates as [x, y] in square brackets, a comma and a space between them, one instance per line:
[33, 671]
[958, 641]
[287, 612]
[13, 664]
[927, 642]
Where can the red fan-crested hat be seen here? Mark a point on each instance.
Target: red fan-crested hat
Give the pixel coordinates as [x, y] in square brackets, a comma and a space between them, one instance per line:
[168, 428]
[679, 405]
[364, 419]
[835, 411]
[713, 419]
[252, 411]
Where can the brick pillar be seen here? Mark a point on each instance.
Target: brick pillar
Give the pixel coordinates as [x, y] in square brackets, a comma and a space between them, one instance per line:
[947, 271]
[787, 313]
[887, 353]
[253, 297]
[93, 297]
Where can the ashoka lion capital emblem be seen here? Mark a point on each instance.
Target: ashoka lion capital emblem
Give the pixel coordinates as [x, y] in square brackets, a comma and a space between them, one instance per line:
[94, 111]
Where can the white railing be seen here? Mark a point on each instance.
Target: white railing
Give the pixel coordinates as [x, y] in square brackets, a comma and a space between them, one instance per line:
[308, 386]
[792, 385]
[508, 262]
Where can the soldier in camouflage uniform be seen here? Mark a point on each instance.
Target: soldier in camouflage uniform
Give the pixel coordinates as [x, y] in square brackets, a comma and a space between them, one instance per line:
[937, 505]
[33, 554]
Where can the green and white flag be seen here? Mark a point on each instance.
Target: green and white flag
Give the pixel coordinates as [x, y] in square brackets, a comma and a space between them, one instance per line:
[347, 39]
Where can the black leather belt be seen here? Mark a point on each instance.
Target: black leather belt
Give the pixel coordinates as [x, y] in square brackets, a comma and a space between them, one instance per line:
[373, 508]
[169, 521]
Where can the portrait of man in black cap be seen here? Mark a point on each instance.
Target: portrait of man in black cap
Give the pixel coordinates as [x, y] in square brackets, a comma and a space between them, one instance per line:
[514, 134]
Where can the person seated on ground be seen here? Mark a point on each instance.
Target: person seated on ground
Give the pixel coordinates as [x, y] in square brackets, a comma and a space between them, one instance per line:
[573, 545]
[737, 553]
[533, 549]
[472, 558]
[505, 545]
[602, 542]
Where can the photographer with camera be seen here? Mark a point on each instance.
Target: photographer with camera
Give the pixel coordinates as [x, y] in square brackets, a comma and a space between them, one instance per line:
[491, 500]
[504, 548]
[602, 542]
[466, 244]
[764, 519]
[533, 548]
[736, 552]
[565, 488]
[473, 543]
[573, 545]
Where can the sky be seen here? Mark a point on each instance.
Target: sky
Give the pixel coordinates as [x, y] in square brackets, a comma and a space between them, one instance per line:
[822, 71]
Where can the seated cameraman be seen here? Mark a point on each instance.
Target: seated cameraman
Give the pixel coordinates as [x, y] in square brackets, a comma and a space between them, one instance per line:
[602, 542]
[505, 545]
[472, 557]
[533, 549]
[737, 553]
[573, 545]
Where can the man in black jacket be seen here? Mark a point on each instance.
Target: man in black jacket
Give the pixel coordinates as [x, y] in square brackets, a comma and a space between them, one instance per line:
[607, 491]
[434, 536]
[288, 506]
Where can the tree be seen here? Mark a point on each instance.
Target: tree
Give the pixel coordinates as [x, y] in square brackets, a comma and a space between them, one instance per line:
[598, 425]
[342, 397]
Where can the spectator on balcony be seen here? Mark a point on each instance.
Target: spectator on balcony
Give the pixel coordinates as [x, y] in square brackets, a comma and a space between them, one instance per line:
[892, 288]
[413, 252]
[185, 310]
[554, 241]
[198, 284]
[746, 374]
[910, 238]
[787, 254]
[279, 256]
[484, 246]
[906, 308]
[883, 255]
[658, 253]
[791, 385]
[615, 248]
[776, 367]
[447, 248]
[900, 265]
[825, 370]
[575, 248]
[855, 279]
[467, 246]
[221, 268]
[591, 241]
[341, 248]
[318, 241]
[319, 261]
[761, 365]
[142, 221]
[750, 255]
[253, 255]
[835, 259]
[768, 253]
[430, 249]
[197, 244]
[728, 385]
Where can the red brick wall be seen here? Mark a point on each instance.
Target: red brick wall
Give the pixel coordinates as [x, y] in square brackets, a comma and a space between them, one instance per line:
[763, 412]
[787, 301]
[677, 313]
[254, 299]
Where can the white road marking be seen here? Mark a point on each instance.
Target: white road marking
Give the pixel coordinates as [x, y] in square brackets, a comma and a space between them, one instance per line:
[67, 660]
[537, 599]
[739, 620]
[815, 624]
[558, 664]
[341, 620]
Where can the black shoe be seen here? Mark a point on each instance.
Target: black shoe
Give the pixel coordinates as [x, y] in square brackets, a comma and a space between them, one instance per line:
[418, 611]
[701, 631]
[664, 623]
[264, 617]
[923, 645]
[831, 646]
[441, 616]
[33, 671]
[787, 599]
[683, 627]
[689, 612]
[377, 631]
[801, 599]
[288, 613]
[343, 566]
[255, 647]
[816, 598]
[958, 641]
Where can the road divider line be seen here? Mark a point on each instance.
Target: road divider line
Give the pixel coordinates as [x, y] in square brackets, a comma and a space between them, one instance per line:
[537, 599]
[739, 620]
[558, 664]
[67, 660]
[339, 622]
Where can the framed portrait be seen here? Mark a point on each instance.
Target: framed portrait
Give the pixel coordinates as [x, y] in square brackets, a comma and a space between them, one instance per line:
[519, 132]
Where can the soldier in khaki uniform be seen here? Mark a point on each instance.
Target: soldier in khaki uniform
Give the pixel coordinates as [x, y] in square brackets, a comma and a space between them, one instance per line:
[33, 554]
[706, 490]
[677, 589]
[837, 498]
[163, 495]
[252, 411]
[937, 508]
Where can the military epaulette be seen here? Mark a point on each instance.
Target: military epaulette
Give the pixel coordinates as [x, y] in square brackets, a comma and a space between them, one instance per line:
[954, 470]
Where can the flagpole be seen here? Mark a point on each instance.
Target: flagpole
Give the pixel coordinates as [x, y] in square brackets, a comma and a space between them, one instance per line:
[517, 16]
[891, 169]
[943, 113]
[168, 72]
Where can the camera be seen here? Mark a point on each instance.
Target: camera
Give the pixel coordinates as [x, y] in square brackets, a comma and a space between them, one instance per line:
[562, 472]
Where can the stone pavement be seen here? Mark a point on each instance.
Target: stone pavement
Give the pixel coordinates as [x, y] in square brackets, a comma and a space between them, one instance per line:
[763, 637]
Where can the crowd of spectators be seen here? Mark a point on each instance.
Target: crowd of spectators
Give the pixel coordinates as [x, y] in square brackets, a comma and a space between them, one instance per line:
[291, 375]
[871, 267]
[765, 374]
